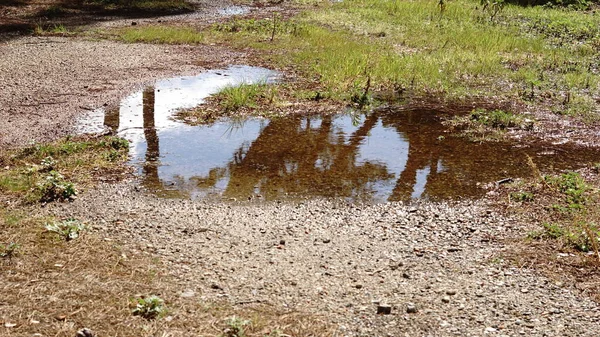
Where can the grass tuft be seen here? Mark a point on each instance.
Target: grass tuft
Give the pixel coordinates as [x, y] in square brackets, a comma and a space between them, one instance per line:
[48, 172]
[162, 34]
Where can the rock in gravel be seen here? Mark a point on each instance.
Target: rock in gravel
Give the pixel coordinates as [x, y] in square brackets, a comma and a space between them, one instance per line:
[384, 309]
[451, 292]
[188, 293]
[85, 332]
[446, 299]
[490, 330]
[411, 308]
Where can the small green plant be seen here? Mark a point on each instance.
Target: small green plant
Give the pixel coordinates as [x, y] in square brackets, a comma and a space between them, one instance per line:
[236, 327]
[553, 231]
[497, 119]
[521, 196]
[234, 98]
[48, 164]
[150, 307]
[55, 187]
[572, 186]
[9, 250]
[69, 229]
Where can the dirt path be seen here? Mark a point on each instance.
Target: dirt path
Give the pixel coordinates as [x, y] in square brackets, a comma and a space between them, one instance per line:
[340, 260]
[322, 257]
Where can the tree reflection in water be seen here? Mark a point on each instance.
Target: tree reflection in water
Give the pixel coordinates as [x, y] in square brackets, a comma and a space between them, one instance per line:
[388, 156]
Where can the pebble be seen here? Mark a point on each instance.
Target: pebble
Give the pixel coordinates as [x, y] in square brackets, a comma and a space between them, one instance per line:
[411, 308]
[384, 309]
[446, 299]
[188, 293]
[85, 332]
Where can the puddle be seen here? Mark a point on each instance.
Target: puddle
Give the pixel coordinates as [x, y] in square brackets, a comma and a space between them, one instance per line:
[384, 156]
[234, 10]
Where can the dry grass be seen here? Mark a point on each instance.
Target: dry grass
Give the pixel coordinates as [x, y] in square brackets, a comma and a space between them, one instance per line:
[55, 287]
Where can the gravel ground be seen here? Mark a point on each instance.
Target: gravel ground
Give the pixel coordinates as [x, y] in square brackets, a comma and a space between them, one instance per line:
[343, 260]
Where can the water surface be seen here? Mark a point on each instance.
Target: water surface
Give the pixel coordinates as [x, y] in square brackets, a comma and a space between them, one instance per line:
[385, 155]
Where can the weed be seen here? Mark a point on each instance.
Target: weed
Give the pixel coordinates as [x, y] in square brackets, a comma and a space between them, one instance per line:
[236, 327]
[10, 250]
[482, 124]
[41, 29]
[69, 229]
[55, 187]
[233, 98]
[572, 186]
[521, 196]
[149, 307]
[497, 119]
[553, 231]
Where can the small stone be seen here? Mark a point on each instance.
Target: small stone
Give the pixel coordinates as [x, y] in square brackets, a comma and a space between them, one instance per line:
[187, 293]
[327, 240]
[384, 309]
[405, 275]
[451, 292]
[282, 242]
[133, 23]
[453, 249]
[358, 286]
[9, 325]
[446, 299]
[411, 308]
[85, 332]
[489, 329]
[524, 290]
[216, 286]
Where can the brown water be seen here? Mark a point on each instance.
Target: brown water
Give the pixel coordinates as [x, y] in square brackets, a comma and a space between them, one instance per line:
[386, 155]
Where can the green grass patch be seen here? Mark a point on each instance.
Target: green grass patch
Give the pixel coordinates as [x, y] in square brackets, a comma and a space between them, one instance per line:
[538, 55]
[48, 172]
[144, 5]
[234, 98]
[482, 124]
[235, 101]
[567, 207]
[162, 34]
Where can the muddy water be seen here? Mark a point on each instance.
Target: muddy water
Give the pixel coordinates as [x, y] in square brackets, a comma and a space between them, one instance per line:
[386, 155]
